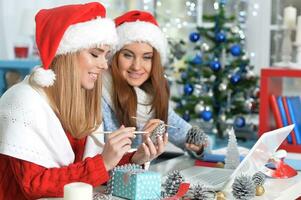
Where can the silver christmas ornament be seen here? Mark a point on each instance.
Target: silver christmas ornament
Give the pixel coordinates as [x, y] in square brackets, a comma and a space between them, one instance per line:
[235, 29]
[199, 108]
[245, 57]
[208, 108]
[212, 78]
[210, 93]
[214, 131]
[250, 74]
[242, 35]
[222, 86]
[222, 117]
[249, 104]
[198, 90]
[205, 47]
[198, 86]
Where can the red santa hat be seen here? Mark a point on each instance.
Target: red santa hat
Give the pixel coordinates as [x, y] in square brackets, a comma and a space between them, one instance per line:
[141, 26]
[68, 29]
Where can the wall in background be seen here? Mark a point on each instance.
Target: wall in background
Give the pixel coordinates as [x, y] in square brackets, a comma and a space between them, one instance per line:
[17, 19]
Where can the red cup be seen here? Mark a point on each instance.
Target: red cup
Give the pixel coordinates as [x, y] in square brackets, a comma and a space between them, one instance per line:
[21, 51]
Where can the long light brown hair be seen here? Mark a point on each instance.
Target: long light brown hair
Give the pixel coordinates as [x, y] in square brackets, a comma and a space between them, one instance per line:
[124, 95]
[78, 109]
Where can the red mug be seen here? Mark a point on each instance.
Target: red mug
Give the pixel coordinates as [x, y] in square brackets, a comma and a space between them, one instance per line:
[21, 51]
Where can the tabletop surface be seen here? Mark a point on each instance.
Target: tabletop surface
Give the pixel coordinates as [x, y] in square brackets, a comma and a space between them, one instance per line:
[276, 189]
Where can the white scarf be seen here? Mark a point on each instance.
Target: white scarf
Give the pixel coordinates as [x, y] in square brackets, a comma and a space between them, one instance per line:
[30, 130]
[143, 99]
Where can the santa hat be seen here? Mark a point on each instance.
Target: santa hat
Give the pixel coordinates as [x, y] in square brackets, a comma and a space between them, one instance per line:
[68, 29]
[141, 26]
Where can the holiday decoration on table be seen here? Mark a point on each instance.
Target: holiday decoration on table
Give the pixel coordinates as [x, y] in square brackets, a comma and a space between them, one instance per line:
[259, 178]
[196, 136]
[101, 196]
[232, 158]
[133, 182]
[202, 192]
[277, 168]
[243, 187]
[172, 183]
[220, 196]
[217, 79]
[157, 132]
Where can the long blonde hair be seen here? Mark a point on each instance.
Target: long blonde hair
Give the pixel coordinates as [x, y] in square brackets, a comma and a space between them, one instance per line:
[78, 109]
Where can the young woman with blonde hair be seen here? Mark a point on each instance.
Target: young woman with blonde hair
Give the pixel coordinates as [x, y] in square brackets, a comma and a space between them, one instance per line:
[49, 132]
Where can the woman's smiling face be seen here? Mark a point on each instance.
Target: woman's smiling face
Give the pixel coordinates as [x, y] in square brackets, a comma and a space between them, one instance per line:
[135, 63]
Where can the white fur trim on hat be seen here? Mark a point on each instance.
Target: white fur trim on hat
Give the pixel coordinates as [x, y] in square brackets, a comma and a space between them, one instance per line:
[88, 34]
[43, 77]
[140, 31]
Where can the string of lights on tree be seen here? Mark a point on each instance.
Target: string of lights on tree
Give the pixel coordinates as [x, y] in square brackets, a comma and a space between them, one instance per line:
[219, 84]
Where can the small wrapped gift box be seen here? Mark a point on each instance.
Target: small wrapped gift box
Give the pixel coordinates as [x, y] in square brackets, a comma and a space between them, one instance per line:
[136, 184]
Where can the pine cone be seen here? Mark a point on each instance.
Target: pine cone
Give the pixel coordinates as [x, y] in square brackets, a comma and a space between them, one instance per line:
[158, 131]
[243, 188]
[201, 192]
[100, 196]
[258, 178]
[172, 183]
[196, 136]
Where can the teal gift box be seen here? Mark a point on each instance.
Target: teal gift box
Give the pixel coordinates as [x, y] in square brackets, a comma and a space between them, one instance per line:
[137, 184]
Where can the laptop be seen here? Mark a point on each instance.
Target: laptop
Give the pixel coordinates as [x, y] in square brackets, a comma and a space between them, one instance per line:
[256, 159]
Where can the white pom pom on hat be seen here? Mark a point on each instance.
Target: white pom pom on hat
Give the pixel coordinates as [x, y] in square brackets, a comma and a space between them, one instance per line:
[43, 77]
[67, 29]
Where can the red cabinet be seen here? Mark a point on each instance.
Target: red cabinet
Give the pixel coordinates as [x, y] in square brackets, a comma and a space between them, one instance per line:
[276, 81]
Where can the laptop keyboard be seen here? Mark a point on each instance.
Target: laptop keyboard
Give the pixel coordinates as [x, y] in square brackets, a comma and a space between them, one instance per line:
[212, 178]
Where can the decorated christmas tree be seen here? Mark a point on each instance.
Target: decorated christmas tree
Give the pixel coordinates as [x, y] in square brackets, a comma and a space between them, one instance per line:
[219, 84]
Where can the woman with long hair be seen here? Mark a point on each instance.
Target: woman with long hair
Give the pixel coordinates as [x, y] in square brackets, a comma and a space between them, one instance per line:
[49, 134]
[135, 91]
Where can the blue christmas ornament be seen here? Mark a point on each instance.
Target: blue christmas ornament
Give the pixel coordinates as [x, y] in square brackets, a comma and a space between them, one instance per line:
[220, 37]
[235, 50]
[239, 122]
[197, 59]
[194, 37]
[188, 89]
[235, 78]
[206, 115]
[215, 65]
[186, 116]
[184, 75]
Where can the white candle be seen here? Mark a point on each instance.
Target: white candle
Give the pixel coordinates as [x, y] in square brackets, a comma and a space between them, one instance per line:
[289, 17]
[78, 191]
[298, 31]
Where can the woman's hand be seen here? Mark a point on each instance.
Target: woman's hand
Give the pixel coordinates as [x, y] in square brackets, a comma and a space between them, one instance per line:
[198, 149]
[147, 151]
[118, 143]
[151, 125]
